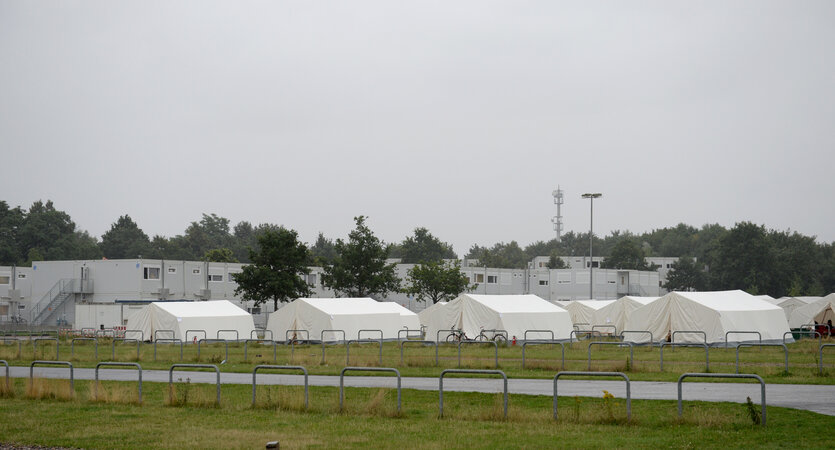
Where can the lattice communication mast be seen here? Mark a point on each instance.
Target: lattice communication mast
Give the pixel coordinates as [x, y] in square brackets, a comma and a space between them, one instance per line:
[557, 220]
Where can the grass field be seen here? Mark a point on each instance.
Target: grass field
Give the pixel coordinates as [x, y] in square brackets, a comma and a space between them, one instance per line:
[541, 361]
[45, 414]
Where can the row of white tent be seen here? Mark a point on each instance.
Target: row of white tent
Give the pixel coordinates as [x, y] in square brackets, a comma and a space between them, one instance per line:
[714, 313]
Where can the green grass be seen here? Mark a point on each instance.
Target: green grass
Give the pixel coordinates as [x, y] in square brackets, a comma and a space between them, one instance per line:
[542, 361]
[370, 419]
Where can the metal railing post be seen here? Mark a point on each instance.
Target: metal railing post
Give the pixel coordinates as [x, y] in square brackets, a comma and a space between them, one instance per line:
[820, 356]
[596, 374]
[200, 366]
[723, 375]
[801, 333]
[367, 369]
[322, 338]
[57, 345]
[255, 370]
[172, 341]
[53, 363]
[525, 335]
[126, 364]
[673, 334]
[544, 341]
[651, 337]
[751, 344]
[214, 341]
[113, 346]
[759, 336]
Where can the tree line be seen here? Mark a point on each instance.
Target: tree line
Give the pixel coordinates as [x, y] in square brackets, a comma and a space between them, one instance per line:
[747, 256]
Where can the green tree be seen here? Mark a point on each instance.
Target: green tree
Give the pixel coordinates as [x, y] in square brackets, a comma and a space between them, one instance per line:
[424, 247]
[277, 269]
[555, 262]
[323, 251]
[626, 255]
[501, 255]
[220, 255]
[436, 281]
[745, 259]
[49, 234]
[125, 239]
[359, 268]
[11, 219]
[685, 275]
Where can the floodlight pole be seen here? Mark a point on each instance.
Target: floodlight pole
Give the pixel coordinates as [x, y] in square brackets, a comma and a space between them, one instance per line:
[591, 198]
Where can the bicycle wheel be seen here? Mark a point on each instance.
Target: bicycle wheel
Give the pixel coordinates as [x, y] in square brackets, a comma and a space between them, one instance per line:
[500, 339]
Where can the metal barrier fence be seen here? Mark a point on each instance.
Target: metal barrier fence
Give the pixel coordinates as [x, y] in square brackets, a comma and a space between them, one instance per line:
[57, 345]
[577, 325]
[366, 369]
[684, 344]
[759, 335]
[588, 333]
[113, 346]
[261, 330]
[614, 328]
[117, 364]
[287, 335]
[4, 339]
[820, 356]
[496, 334]
[198, 366]
[400, 332]
[631, 353]
[495, 346]
[525, 336]
[322, 338]
[472, 371]
[88, 332]
[255, 370]
[596, 374]
[651, 337]
[803, 332]
[196, 332]
[172, 341]
[157, 332]
[53, 363]
[72, 345]
[544, 341]
[452, 336]
[723, 375]
[359, 333]
[402, 343]
[8, 369]
[103, 333]
[361, 341]
[141, 334]
[751, 344]
[674, 333]
[237, 336]
[246, 344]
[214, 341]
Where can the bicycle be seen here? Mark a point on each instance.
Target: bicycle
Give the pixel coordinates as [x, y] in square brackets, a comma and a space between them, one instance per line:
[457, 335]
[498, 337]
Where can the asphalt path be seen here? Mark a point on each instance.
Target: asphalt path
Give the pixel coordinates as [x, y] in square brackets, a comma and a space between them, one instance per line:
[817, 398]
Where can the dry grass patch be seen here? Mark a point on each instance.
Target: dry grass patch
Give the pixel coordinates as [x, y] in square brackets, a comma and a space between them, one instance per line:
[39, 388]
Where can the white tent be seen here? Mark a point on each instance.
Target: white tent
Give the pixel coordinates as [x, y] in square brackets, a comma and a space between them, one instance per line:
[408, 319]
[347, 314]
[714, 313]
[512, 313]
[583, 311]
[819, 311]
[220, 319]
[424, 315]
[617, 312]
[790, 304]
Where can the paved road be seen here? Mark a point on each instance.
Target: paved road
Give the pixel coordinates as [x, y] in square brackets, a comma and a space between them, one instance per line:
[817, 398]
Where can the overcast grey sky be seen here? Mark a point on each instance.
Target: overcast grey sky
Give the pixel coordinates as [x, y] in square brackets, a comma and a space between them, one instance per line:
[460, 116]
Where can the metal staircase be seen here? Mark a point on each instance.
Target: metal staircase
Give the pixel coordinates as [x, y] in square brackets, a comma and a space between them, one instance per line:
[63, 290]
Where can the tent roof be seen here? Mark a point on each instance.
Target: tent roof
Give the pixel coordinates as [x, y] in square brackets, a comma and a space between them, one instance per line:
[395, 307]
[515, 303]
[346, 306]
[728, 301]
[641, 300]
[212, 308]
[593, 304]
